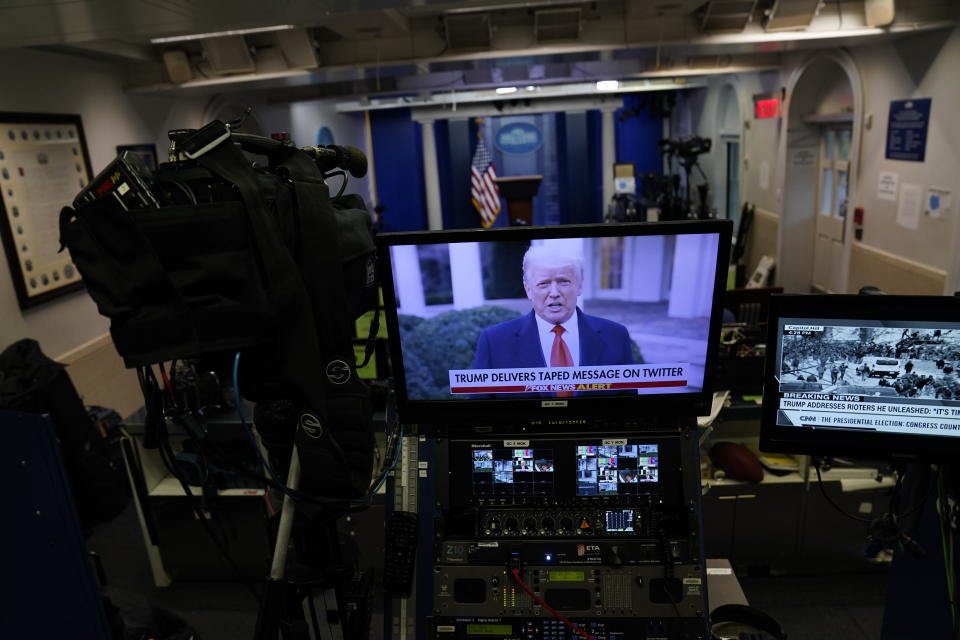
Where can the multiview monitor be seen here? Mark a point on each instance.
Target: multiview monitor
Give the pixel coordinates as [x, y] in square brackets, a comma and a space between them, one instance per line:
[554, 323]
[873, 377]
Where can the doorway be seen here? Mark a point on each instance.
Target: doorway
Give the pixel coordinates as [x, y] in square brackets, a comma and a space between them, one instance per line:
[833, 179]
[819, 176]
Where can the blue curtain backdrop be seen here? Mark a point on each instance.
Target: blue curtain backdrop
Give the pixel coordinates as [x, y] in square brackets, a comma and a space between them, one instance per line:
[569, 159]
[637, 136]
[398, 161]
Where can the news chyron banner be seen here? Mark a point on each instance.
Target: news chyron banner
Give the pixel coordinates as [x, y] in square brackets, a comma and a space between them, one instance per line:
[869, 378]
[867, 413]
[552, 379]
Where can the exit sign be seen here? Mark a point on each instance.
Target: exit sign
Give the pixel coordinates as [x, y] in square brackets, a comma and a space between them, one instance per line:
[766, 108]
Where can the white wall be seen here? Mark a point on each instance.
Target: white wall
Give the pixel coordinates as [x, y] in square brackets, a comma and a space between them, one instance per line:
[45, 82]
[923, 66]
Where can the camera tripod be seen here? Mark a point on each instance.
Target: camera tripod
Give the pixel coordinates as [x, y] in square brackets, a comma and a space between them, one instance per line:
[295, 594]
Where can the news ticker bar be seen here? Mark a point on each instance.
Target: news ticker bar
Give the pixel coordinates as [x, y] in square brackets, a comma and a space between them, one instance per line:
[554, 379]
[890, 417]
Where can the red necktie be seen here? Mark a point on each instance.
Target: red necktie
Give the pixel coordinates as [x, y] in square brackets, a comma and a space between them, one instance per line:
[560, 355]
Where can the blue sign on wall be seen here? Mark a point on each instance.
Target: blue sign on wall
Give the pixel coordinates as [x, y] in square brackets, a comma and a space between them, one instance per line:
[907, 129]
[324, 136]
[518, 137]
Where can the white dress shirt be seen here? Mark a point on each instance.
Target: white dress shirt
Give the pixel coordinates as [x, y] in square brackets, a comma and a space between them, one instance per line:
[571, 336]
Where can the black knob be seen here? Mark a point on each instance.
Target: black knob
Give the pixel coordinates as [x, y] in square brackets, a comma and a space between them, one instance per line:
[510, 525]
[566, 525]
[547, 524]
[493, 525]
[530, 525]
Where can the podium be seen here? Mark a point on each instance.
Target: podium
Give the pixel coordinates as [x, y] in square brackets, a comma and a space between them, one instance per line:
[519, 192]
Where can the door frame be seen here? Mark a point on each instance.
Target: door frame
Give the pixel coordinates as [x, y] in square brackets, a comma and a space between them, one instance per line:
[845, 61]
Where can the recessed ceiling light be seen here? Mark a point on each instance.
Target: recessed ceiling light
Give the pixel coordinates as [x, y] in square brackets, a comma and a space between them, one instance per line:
[503, 90]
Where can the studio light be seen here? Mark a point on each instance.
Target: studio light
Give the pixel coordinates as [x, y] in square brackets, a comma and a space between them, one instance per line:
[504, 90]
[608, 85]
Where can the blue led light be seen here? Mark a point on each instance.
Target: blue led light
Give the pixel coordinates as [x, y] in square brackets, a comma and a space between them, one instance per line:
[548, 557]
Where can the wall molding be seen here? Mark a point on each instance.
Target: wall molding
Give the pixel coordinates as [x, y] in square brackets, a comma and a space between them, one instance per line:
[901, 275]
[85, 349]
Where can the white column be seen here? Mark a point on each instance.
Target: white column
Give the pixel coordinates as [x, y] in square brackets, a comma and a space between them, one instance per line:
[408, 281]
[431, 178]
[694, 270]
[466, 273]
[643, 268]
[608, 153]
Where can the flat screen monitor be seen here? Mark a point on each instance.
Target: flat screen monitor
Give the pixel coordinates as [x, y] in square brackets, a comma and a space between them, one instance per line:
[571, 469]
[546, 324]
[873, 377]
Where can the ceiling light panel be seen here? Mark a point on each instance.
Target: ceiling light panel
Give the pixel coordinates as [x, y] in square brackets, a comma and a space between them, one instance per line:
[788, 15]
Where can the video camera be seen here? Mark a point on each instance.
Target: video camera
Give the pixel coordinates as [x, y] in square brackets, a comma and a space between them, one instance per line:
[213, 255]
[129, 184]
[671, 194]
[686, 150]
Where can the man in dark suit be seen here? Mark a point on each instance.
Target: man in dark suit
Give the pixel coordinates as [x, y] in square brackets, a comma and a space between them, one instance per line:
[555, 333]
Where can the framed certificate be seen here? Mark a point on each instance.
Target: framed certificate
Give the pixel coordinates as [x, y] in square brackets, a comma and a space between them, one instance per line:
[44, 163]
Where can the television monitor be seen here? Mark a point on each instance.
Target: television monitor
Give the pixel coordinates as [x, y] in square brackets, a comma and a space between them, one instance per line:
[473, 321]
[871, 377]
[580, 470]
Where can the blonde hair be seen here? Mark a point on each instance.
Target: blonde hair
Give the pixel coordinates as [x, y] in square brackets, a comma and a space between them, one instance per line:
[548, 256]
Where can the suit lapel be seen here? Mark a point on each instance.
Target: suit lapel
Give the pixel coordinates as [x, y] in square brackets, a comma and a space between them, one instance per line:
[527, 343]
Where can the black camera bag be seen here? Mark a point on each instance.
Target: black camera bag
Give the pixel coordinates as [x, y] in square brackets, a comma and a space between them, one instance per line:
[280, 273]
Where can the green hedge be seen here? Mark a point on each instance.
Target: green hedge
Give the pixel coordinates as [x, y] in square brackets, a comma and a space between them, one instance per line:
[449, 338]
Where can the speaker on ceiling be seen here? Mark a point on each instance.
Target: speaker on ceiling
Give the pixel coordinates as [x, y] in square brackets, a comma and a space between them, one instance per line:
[879, 13]
[177, 64]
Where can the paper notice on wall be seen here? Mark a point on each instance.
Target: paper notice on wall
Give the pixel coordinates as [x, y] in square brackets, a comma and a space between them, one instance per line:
[764, 176]
[803, 157]
[887, 186]
[937, 203]
[908, 209]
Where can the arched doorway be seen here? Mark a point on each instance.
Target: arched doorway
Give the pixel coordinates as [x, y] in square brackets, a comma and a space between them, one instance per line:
[730, 149]
[820, 165]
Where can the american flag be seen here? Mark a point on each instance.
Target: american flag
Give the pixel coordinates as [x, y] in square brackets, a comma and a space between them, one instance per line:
[484, 192]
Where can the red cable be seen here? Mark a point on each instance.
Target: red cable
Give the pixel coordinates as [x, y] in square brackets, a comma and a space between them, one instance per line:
[516, 576]
[166, 381]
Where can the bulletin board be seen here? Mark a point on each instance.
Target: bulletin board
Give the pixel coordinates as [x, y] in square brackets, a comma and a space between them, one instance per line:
[44, 163]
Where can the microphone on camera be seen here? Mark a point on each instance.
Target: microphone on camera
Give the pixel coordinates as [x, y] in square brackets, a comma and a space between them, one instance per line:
[334, 156]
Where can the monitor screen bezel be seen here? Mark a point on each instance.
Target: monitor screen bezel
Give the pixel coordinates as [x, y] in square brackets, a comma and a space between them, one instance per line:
[871, 446]
[525, 410]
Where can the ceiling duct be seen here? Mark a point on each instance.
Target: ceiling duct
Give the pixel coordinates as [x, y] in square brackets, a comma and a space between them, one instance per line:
[468, 31]
[550, 25]
[726, 15]
[791, 15]
[298, 50]
[228, 54]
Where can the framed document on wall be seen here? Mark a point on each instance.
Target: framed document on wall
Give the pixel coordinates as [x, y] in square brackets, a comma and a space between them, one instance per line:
[43, 165]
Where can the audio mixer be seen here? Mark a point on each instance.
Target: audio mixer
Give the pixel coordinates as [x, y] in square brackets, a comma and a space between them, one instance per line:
[556, 538]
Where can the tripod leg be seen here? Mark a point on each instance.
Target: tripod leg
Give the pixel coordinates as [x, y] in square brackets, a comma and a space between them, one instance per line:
[271, 607]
